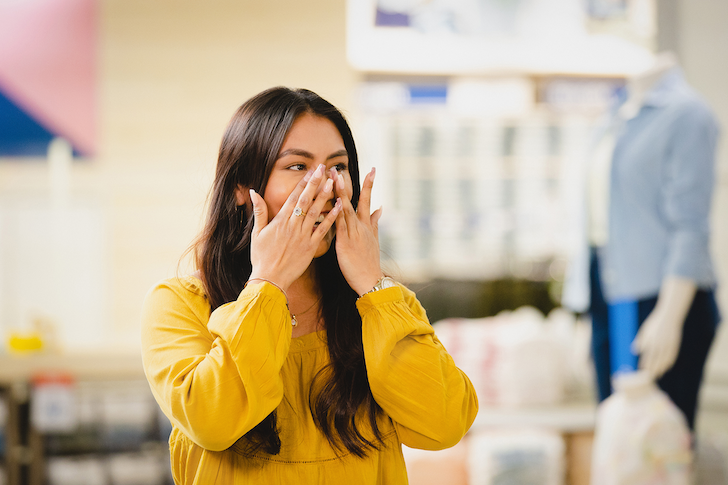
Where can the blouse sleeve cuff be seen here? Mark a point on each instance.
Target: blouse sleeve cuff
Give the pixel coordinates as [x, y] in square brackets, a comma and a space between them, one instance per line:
[380, 297]
[263, 288]
[225, 320]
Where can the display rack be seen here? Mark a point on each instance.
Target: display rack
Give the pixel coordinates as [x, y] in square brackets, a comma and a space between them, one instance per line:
[107, 386]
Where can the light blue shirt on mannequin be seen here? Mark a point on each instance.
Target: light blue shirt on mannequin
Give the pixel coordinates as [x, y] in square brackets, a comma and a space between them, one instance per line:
[661, 187]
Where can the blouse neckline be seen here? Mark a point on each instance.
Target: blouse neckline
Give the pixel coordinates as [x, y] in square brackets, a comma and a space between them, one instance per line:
[309, 341]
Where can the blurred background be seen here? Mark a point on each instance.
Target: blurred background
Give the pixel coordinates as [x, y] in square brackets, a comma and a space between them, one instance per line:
[478, 117]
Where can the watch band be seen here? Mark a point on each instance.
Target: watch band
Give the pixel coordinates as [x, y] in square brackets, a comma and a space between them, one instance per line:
[384, 282]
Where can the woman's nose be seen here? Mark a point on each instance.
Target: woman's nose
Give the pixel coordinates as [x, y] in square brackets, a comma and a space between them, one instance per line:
[328, 175]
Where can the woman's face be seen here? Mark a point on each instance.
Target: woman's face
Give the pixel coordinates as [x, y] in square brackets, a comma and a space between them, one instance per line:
[311, 141]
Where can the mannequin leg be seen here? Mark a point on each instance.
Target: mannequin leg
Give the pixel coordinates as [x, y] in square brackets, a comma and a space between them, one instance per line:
[599, 313]
[682, 382]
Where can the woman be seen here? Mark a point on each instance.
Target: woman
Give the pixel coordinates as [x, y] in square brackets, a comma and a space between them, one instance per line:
[288, 357]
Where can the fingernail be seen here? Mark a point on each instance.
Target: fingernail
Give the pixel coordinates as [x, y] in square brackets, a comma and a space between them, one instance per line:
[328, 186]
[340, 180]
[308, 175]
[252, 198]
[320, 170]
[338, 202]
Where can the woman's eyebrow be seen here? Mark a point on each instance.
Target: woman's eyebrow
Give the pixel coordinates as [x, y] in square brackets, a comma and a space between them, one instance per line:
[340, 153]
[303, 153]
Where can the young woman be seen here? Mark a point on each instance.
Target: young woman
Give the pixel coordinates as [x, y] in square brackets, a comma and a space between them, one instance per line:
[288, 357]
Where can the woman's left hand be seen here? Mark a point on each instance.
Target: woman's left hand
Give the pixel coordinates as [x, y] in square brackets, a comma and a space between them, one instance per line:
[357, 237]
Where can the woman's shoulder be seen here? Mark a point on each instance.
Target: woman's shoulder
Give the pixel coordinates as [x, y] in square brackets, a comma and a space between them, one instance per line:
[193, 283]
[187, 287]
[179, 295]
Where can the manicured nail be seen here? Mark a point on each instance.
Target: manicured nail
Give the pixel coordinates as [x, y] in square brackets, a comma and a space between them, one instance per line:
[328, 186]
[320, 170]
[308, 175]
[340, 180]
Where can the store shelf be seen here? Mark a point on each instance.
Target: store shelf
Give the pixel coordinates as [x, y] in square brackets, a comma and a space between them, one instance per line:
[566, 418]
[91, 365]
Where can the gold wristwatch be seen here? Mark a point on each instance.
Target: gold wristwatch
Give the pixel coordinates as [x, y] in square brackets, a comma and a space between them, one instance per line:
[385, 282]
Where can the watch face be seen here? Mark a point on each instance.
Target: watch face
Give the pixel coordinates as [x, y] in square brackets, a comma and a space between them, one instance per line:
[388, 283]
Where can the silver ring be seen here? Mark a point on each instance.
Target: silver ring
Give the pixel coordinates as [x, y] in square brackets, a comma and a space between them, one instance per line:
[298, 212]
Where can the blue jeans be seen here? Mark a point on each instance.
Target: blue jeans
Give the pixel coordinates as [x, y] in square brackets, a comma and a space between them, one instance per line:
[682, 381]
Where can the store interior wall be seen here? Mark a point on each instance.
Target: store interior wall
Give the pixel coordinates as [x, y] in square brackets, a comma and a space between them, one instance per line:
[701, 42]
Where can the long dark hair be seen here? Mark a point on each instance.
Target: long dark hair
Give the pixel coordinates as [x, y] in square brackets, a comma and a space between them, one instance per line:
[248, 153]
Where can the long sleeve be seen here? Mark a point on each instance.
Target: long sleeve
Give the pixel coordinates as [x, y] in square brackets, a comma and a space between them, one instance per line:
[215, 375]
[689, 178]
[431, 402]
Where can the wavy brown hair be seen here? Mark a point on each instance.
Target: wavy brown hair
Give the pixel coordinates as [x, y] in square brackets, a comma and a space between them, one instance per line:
[248, 153]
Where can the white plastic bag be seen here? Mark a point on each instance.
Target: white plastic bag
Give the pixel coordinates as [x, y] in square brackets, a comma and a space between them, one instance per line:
[641, 437]
[512, 359]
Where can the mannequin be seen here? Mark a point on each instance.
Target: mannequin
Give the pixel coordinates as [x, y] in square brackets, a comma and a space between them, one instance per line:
[650, 187]
[658, 340]
[642, 82]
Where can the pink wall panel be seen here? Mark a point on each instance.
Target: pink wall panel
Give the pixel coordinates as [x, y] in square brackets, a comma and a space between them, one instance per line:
[48, 65]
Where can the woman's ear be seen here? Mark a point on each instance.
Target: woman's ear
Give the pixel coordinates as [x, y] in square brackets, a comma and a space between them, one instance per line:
[242, 195]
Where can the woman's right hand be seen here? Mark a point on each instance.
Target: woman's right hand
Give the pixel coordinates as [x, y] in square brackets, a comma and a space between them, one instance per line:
[282, 249]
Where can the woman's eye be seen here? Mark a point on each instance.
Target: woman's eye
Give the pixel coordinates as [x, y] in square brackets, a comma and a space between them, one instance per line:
[298, 166]
[340, 167]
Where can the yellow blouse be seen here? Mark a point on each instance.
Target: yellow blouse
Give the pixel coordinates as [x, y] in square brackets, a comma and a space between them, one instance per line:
[216, 375]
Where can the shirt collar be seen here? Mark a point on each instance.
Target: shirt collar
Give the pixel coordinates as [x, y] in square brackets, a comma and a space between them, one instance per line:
[664, 89]
[661, 94]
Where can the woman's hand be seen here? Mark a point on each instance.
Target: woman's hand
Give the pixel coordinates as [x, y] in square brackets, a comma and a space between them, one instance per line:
[282, 249]
[357, 236]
